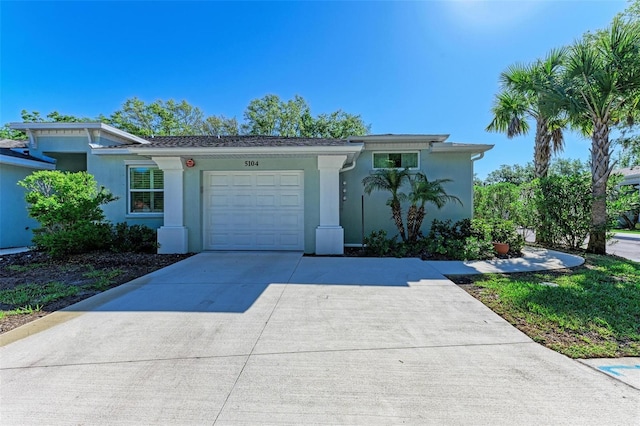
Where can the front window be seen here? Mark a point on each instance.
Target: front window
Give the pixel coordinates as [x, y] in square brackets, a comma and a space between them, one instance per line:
[395, 160]
[146, 190]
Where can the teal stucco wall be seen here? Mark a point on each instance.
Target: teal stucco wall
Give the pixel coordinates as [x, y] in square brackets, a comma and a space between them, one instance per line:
[377, 215]
[15, 224]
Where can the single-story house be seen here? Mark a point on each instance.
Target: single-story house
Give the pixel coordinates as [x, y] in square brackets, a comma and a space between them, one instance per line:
[247, 192]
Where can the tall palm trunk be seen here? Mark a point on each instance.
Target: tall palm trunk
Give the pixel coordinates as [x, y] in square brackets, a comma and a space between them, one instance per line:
[396, 212]
[419, 219]
[600, 171]
[542, 148]
[411, 222]
[541, 160]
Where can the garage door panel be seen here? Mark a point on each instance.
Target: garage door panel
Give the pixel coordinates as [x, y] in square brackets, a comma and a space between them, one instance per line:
[242, 179]
[266, 200]
[291, 220]
[290, 180]
[242, 200]
[254, 211]
[290, 200]
[266, 180]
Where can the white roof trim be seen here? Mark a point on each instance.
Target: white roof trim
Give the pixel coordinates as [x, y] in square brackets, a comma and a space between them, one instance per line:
[460, 147]
[79, 126]
[24, 162]
[398, 138]
[194, 151]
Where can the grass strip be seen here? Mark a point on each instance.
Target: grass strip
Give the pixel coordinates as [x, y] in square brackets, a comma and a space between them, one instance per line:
[586, 312]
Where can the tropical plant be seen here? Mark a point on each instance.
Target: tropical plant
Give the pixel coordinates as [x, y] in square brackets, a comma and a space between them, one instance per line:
[390, 180]
[599, 88]
[67, 206]
[424, 191]
[521, 99]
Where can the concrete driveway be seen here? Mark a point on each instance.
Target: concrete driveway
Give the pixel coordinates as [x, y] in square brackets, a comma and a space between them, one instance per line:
[277, 338]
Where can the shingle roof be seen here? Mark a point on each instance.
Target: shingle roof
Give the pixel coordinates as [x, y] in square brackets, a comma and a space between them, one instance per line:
[236, 141]
[10, 143]
[8, 152]
[628, 171]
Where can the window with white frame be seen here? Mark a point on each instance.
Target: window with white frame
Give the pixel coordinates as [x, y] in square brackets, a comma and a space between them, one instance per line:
[146, 189]
[395, 160]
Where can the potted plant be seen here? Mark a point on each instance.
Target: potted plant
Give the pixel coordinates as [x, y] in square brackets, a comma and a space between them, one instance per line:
[501, 234]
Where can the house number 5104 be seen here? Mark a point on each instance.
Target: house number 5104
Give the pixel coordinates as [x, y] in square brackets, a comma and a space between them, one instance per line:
[251, 163]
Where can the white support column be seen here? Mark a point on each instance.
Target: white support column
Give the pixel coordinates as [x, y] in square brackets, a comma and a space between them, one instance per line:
[172, 236]
[330, 235]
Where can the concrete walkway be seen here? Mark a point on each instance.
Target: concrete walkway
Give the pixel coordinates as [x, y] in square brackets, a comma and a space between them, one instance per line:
[277, 338]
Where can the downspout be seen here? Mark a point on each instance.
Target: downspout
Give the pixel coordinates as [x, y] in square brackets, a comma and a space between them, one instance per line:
[349, 167]
[479, 156]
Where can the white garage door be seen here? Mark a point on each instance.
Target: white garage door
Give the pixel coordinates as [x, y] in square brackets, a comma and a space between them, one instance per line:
[254, 210]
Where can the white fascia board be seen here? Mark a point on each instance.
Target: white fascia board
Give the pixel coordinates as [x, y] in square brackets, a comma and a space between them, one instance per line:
[110, 151]
[399, 138]
[79, 126]
[24, 162]
[261, 150]
[459, 147]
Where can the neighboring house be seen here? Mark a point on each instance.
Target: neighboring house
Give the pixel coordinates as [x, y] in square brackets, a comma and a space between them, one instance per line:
[253, 192]
[631, 176]
[15, 164]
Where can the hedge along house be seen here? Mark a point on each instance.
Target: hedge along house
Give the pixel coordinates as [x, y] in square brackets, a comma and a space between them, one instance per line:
[252, 192]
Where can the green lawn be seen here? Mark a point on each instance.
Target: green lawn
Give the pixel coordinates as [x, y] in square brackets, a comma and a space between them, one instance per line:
[627, 231]
[593, 312]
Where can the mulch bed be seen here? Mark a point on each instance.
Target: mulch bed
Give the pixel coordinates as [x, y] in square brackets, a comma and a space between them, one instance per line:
[39, 268]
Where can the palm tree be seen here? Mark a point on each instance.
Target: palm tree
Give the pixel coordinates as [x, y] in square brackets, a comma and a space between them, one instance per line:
[424, 191]
[600, 87]
[390, 180]
[520, 99]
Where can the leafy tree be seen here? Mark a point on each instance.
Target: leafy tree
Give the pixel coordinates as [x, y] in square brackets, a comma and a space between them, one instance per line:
[270, 116]
[515, 174]
[52, 117]
[220, 126]
[390, 180]
[158, 118]
[564, 166]
[600, 86]
[521, 99]
[7, 133]
[499, 200]
[339, 125]
[67, 206]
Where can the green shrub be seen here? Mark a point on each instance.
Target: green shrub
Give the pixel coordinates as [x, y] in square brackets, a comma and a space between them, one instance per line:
[133, 238]
[463, 240]
[564, 207]
[76, 238]
[377, 244]
[67, 206]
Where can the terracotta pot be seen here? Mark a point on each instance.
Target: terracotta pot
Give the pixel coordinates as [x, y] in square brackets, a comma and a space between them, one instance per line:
[501, 248]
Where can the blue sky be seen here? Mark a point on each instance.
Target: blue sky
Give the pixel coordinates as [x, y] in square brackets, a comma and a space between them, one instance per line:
[405, 67]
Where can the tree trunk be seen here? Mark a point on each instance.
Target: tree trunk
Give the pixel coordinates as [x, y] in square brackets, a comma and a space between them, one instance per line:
[542, 149]
[541, 160]
[396, 212]
[419, 219]
[411, 223]
[600, 171]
